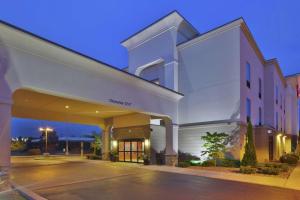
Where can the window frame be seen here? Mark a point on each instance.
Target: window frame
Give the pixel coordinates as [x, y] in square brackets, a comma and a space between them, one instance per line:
[248, 75]
[248, 109]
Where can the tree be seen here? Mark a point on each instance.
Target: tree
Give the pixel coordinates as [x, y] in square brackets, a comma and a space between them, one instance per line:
[214, 144]
[298, 145]
[249, 158]
[18, 144]
[96, 145]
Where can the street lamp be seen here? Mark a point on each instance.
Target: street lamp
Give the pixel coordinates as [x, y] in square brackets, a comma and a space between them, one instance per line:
[46, 130]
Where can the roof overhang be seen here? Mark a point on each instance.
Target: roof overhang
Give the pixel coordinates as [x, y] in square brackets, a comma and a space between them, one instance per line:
[275, 62]
[294, 80]
[167, 22]
[21, 39]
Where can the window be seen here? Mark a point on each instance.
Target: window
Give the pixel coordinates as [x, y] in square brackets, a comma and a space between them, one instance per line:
[281, 101]
[248, 104]
[248, 75]
[276, 94]
[281, 123]
[259, 88]
[259, 116]
[276, 121]
[284, 106]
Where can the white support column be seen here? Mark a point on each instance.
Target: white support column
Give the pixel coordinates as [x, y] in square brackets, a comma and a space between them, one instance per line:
[106, 143]
[5, 138]
[171, 142]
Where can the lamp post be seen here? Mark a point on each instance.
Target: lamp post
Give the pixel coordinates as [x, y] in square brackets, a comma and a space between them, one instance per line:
[46, 130]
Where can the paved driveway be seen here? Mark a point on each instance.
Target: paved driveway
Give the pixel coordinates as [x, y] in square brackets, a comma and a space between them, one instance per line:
[80, 179]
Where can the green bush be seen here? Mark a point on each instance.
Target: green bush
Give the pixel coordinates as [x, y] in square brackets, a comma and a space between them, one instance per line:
[93, 157]
[34, 151]
[208, 163]
[282, 166]
[183, 164]
[269, 170]
[247, 170]
[195, 162]
[228, 163]
[186, 157]
[291, 159]
[249, 158]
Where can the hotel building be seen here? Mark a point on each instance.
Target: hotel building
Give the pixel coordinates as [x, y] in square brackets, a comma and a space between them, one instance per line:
[179, 84]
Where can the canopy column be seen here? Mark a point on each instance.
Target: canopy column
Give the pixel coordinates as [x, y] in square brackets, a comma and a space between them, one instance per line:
[5, 138]
[171, 142]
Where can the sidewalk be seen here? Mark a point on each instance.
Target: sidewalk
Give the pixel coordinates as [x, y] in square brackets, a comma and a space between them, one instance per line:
[293, 182]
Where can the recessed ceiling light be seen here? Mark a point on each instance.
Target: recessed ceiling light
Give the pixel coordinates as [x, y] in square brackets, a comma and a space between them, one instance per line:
[97, 111]
[67, 107]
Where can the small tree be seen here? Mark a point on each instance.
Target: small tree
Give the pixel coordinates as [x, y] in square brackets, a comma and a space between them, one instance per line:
[96, 145]
[214, 144]
[298, 145]
[249, 158]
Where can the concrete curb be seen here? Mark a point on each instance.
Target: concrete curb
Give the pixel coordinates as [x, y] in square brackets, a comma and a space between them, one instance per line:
[267, 181]
[27, 193]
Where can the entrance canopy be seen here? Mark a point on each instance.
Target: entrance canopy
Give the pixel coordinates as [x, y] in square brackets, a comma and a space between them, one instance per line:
[43, 75]
[36, 105]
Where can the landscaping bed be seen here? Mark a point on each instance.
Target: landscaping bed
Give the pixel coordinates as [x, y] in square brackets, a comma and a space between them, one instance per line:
[282, 174]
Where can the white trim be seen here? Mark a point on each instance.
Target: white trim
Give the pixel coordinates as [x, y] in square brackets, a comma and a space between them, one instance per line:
[172, 62]
[150, 38]
[206, 36]
[139, 70]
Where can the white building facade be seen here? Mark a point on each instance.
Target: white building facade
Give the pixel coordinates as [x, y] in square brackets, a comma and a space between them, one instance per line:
[225, 80]
[179, 84]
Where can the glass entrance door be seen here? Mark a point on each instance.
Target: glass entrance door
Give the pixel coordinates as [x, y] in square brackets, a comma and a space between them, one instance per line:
[131, 150]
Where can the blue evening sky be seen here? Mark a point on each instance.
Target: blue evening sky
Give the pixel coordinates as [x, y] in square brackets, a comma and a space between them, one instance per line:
[96, 27]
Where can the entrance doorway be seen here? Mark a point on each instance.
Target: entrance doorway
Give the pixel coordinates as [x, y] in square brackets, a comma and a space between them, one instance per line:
[131, 150]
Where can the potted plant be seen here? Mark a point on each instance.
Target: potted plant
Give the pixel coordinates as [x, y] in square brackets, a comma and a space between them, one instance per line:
[146, 159]
[114, 156]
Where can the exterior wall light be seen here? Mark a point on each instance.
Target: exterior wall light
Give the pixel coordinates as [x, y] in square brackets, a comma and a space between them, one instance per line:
[283, 138]
[114, 143]
[147, 143]
[270, 131]
[279, 135]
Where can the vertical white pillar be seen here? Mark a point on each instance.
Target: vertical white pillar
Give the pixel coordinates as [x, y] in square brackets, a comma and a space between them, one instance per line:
[5, 139]
[171, 142]
[106, 143]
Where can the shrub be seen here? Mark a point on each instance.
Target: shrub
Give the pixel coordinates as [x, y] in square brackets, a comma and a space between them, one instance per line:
[195, 163]
[34, 151]
[214, 144]
[247, 170]
[186, 157]
[249, 158]
[160, 158]
[269, 170]
[209, 163]
[282, 166]
[183, 164]
[291, 159]
[93, 157]
[228, 163]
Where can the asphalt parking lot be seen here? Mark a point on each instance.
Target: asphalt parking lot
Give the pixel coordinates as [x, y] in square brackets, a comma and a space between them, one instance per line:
[78, 179]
